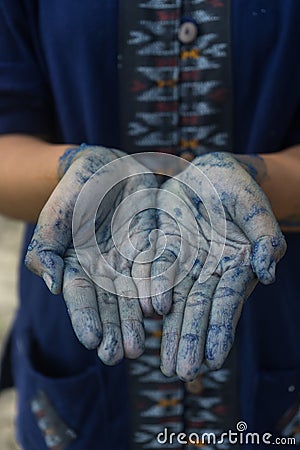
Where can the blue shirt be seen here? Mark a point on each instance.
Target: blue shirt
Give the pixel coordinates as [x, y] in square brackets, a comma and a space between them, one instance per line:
[59, 80]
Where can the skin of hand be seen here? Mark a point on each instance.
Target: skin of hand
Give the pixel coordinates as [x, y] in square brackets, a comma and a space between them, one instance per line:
[200, 315]
[111, 321]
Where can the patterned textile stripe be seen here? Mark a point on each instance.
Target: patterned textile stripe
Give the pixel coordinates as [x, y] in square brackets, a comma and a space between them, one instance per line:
[57, 435]
[212, 408]
[205, 113]
[289, 424]
[157, 401]
[175, 98]
[149, 75]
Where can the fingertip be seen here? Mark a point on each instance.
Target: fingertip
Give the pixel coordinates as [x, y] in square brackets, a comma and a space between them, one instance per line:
[109, 353]
[269, 275]
[162, 303]
[263, 263]
[48, 280]
[215, 364]
[87, 327]
[217, 349]
[267, 251]
[187, 374]
[167, 371]
[146, 307]
[133, 339]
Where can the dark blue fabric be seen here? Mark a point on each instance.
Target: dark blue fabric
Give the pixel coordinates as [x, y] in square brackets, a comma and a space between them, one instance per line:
[266, 71]
[58, 79]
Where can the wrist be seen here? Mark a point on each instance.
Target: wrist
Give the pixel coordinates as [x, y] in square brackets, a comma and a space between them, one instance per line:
[255, 165]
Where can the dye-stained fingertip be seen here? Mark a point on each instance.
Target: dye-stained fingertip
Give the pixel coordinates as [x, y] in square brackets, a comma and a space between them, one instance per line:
[162, 303]
[270, 275]
[87, 328]
[146, 307]
[133, 352]
[53, 283]
[215, 364]
[133, 339]
[264, 267]
[218, 346]
[109, 355]
[167, 371]
[187, 374]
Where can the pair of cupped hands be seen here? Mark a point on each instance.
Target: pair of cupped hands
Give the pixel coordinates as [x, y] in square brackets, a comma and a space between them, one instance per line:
[121, 248]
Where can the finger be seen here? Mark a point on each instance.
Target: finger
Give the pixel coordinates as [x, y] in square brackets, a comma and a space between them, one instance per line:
[131, 317]
[133, 228]
[233, 288]
[193, 334]
[110, 350]
[172, 324]
[267, 252]
[52, 235]
[141, 276]
[44, 254]
[177, 244]
[80, 297]
[254, 215]
[164, 266]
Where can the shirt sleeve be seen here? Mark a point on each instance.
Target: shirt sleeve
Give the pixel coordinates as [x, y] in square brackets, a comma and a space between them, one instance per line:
[25, 99]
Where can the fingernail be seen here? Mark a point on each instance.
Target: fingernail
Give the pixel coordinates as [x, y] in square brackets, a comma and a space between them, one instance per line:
[48, 280]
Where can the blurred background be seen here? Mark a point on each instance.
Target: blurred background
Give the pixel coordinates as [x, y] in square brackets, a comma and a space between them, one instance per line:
[10, 242]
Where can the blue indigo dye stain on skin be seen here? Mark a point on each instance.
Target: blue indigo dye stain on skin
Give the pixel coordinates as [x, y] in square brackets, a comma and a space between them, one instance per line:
[256, 211]
[32, 245]
[178, 212]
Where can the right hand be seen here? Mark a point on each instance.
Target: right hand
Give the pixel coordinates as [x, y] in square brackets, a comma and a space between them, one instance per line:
[110, 319]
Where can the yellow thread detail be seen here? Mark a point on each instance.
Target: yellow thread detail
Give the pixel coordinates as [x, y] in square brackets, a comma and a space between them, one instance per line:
[168, 402]
[194, 53]
[193, 143]
[166, 83]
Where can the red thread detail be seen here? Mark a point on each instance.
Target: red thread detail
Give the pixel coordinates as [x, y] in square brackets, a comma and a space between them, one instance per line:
[137, 86]
[190, 121]
[166, 106]
[164, 61]
[167, 15]
[216, 3]
[191, 75]
[219, 95]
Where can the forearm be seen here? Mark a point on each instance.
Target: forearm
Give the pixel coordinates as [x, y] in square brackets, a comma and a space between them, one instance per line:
[28, 174]
[278, 174]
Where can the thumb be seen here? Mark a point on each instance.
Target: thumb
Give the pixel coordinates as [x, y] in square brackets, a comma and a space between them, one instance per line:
[255, 217]
[267, 252]
[44, 255]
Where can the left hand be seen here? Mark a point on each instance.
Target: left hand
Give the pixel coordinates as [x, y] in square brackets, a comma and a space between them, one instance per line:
[201, 312]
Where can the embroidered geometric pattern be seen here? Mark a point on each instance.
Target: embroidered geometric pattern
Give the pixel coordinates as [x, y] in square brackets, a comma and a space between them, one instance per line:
[289, 425]
[57, 435]
[175, 97]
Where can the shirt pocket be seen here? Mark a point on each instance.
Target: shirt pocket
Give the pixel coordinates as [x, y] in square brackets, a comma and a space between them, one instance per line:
[277, 405]
[66, 413]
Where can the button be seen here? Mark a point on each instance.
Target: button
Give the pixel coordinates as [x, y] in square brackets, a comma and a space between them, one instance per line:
[188, 31]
